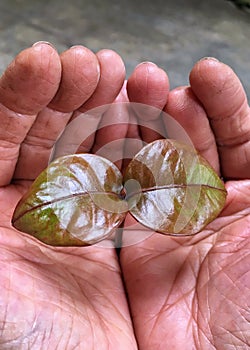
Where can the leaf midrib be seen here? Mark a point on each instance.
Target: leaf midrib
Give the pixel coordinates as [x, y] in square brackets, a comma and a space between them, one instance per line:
[125, 198]
[172, 186]
[79, 194]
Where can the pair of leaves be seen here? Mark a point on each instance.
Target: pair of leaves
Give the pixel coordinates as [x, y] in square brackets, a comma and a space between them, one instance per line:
[81, 199]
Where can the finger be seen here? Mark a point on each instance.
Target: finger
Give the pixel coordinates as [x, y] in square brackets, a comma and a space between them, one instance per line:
[112, 130]
[192, 122]
[112, 75]
[149, 85]
[148, 88]
[133, 143]
[36, 149]
[80, 74]
[26, 87]
[31, 80]
[224, 99]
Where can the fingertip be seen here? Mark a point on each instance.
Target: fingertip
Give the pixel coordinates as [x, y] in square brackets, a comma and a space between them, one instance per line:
[224, 99]
[31, 80]
[187, 115]
[220, 91]
[211, 78]
[80, 76]
[148, 85]
[110, 56]
[112, 76]
[113, 69]
[206, 62]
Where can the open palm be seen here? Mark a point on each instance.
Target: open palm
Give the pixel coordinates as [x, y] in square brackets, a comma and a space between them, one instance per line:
[161, 293]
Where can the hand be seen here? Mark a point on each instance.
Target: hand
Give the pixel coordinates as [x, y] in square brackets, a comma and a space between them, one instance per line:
[74, 297]
[70, 298]
[193, 292]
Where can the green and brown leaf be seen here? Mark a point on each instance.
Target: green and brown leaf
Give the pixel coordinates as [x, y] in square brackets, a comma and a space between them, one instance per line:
[78, 199]
[180, 192]
[75, 201]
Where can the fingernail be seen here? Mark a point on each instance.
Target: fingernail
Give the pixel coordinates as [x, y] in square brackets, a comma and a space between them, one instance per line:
[209, 58]
[38, 45]
[77, 47]
[146, 62]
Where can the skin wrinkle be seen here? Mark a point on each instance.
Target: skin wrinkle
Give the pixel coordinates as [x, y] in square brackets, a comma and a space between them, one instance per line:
[222, 229]
[85, 281]
[52, 286]
[16, 341]
[9, 124]
[68, 261]
[208, 334]
[96, 314]
[48, 332]
[146, 258]
[205, 81]
[44, 143]
[60, 117]
[76, 346]
[224, 298]
[18, 337]
[233, 141]
[87, 81]
[192, 319]
[166, 306]
[233, 335]
[42, 93]
[50, 67]
[10, 156]
[90, 326]
[70, 333]
[233, 111]
[195, 308]
[105, 326]
[240, 246]
[246, 154]
[218, 272]
[59, 305]
[12, 120]
[35, 340]
[238, 337]
[32, 274]
[79, 88]
[46, 77]
[232, 281]
[234, 192]
[176, 301]
[138, 86]
[5, 313]
[68, 301]
[6, 145]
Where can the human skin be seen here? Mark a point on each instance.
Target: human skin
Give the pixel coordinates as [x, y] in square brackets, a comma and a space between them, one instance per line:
[163, 292]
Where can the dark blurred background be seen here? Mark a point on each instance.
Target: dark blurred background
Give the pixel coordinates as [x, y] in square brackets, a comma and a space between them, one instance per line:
[173, 34]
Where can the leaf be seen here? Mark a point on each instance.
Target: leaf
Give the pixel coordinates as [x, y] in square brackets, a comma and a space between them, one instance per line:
[75, 201]
[173, 190]
[80, 199]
